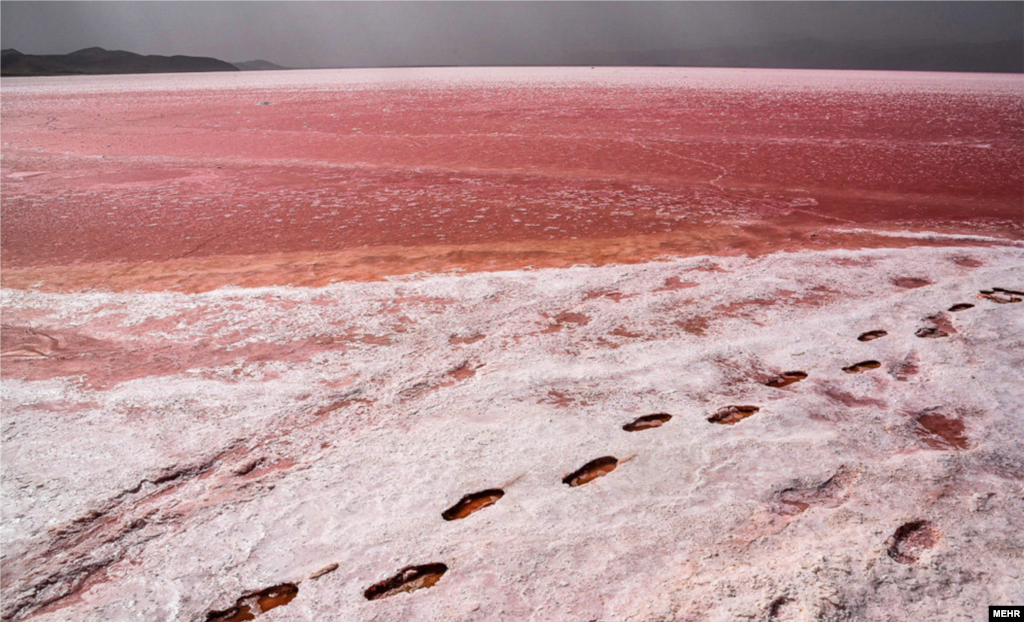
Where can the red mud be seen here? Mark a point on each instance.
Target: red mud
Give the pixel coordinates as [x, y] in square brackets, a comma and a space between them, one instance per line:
[195, 189]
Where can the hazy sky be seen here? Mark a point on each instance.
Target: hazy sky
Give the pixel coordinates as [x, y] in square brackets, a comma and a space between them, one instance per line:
[317, 34]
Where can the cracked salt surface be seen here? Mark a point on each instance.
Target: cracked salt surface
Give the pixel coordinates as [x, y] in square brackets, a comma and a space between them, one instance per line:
[334, 431]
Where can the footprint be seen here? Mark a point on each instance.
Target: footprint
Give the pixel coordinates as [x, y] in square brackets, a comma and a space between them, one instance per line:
[1002, 296]
[786, 378]
[910, 282]
[862, 366]
[903, 370]
[250, 606]
[473, 502]
[408, 579]
[591, 471]
[963, 306]
[931, 332]
[829, 493]
[733, 414]
[941, 432]
[647, 422]
[871, 335]
[911, 540]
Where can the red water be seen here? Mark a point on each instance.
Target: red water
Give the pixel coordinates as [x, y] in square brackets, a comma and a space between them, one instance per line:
[358, 181]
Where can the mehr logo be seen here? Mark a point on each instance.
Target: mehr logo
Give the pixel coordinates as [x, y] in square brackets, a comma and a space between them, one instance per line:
[1006, 612]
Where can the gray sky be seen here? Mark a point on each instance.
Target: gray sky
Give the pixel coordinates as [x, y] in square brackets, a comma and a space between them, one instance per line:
[318, 34]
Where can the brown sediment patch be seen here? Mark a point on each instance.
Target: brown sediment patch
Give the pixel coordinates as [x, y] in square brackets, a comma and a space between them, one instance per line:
[903, 370]
[611, 294]
[344, 402]
[251, 605]
[365, 338]
[696, 325]
[931, 332]
[731, 415]
[623, 332]
[742, 307]
[458, 339]
[408, 579]
[566, 319]
[562, 399]
[1002, 296]
[853, 401]
[910, 282]
[941, 432]
[463, 372]
[316, 268]
[647, 422]
[968, 262]
[911, 540]
[473, 502]
[590, 471]
[674, 283]
[786, 378]
[943, 322]
[826, 494]
[963, 306]
[33, 355]
[862, 366]
[871, 335]
[459, 373]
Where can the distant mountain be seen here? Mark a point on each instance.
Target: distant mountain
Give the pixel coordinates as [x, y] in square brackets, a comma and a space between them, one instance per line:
[100, 61]
[999, 56]
[259, 65]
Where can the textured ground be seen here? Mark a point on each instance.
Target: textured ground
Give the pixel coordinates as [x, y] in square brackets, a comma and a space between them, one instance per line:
[255, 357]
[168, 453]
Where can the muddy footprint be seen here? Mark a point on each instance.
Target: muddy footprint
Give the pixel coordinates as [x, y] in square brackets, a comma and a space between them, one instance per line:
[941, 432]
[931, 332]
[647, 422]
[408, 579]
[473, 502]
[733, 414]
[786, 378]
[911, 540]
[254, 604]
[871, 335]
[1002, 296]
[910, 282]
[862, 366]
[590, 471]
[963, 306]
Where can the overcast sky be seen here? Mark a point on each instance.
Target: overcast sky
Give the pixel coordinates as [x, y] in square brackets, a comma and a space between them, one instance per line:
[323, 34]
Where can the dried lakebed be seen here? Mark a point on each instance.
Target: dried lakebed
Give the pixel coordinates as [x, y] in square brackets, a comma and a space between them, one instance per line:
[293, 453]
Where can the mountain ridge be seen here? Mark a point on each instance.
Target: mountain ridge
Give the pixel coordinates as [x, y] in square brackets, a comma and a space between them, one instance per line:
[97, 60]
